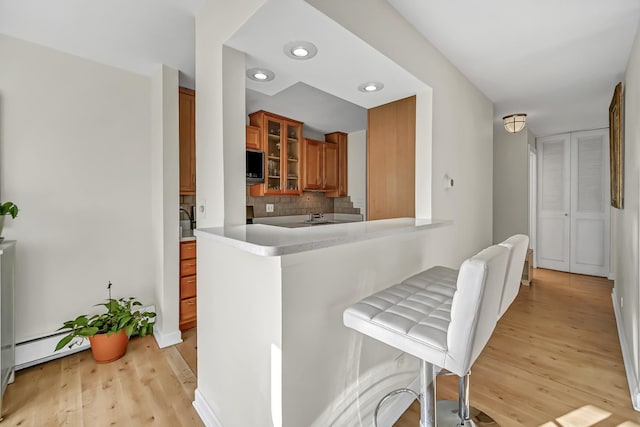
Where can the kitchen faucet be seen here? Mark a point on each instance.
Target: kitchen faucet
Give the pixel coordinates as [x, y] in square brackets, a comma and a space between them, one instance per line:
[315, 216]
[191, 217]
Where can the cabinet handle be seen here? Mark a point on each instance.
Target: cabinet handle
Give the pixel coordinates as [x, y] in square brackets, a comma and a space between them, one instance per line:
[189, 265]
[191, 303]
[191, 281]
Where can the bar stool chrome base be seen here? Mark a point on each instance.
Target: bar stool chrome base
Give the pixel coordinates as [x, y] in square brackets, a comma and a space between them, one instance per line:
[447, 415]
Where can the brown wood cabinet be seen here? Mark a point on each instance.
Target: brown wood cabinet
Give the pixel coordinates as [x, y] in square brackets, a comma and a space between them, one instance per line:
[340, 138]
[188, 285]
[254, 140]
[391, 146]
[187, 136]
[282, 145]
[320, 165]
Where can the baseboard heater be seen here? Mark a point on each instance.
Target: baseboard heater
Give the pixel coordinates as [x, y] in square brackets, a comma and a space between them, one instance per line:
[40, 350]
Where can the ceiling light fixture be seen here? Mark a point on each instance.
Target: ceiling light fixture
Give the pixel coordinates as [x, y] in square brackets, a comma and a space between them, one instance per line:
[514, 123]
[300, 50]
[370, 87]
[260, 74]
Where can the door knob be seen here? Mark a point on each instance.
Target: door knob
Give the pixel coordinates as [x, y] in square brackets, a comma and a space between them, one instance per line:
[566, 214]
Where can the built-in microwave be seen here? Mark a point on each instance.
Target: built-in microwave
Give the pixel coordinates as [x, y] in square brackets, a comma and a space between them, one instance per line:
[255, 167]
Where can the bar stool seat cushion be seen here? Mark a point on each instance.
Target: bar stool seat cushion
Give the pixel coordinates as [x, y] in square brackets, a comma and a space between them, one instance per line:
[415, 315]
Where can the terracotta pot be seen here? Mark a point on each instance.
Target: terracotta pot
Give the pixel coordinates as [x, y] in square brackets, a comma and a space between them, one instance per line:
[109, 347]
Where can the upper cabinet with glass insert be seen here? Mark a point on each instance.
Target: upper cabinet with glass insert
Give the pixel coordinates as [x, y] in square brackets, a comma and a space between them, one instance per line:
[281, 143]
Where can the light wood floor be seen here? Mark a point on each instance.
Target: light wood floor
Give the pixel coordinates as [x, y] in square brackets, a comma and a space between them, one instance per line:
[188, 349]
[148, 386]
[553, 360]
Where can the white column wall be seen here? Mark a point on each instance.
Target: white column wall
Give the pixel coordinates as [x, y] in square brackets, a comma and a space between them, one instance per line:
[165, 202]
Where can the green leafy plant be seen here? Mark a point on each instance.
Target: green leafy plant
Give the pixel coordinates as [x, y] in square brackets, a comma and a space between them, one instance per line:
[9, 208]
[121, 314]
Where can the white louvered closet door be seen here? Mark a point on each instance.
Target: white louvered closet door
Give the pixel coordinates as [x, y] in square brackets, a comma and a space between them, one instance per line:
[554, 199]
[573, 202]
[590, 202]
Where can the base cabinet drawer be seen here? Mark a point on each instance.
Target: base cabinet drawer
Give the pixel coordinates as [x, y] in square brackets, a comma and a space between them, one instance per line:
[187, 250]
[188, 309]
[188, 287]
[188, 267]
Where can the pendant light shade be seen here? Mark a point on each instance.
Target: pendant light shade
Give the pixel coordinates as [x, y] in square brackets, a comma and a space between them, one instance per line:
[515, 122]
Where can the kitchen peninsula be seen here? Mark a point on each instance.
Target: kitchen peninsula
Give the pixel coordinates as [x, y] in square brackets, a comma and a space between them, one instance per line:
[273, 347]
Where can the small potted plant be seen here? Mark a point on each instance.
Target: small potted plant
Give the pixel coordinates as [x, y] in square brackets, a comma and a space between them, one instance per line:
[109, 332]
[7, 208]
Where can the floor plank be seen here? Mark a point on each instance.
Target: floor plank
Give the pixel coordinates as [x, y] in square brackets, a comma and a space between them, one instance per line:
[553, 360]
[148, 386]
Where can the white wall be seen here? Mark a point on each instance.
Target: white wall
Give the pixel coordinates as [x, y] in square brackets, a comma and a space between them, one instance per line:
[460, 148]
[625, 226]
[357, 170]
[74, 155]
[165, 202]
[216, 121]
[510, 183]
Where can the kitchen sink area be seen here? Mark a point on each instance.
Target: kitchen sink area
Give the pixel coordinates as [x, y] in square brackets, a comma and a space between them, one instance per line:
[302, 221]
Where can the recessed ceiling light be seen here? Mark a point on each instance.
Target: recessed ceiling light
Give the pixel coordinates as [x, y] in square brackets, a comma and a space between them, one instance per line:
[370, 87]
[300, 50]
[260, 74]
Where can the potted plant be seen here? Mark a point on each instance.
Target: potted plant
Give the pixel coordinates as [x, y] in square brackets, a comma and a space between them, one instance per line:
[7, 208]
[109, 332]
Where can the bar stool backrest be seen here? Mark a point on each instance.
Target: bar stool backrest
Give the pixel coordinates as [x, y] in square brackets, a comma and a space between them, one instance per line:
[475, 307]
[518, 246]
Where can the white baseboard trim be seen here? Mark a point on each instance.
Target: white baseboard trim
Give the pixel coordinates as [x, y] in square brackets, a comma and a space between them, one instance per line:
[627, 353]
[205, 412]
[165, 340]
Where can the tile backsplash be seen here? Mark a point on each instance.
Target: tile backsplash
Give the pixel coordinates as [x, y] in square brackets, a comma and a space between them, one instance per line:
[308, 202]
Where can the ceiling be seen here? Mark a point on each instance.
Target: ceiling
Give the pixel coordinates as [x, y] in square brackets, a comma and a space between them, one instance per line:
[557, 61]
[133, 35]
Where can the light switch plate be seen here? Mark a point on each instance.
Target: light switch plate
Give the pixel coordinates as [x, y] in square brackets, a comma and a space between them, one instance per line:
[269, 207]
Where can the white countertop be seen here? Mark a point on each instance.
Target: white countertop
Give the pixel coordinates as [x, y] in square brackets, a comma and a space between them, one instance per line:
[270, 240]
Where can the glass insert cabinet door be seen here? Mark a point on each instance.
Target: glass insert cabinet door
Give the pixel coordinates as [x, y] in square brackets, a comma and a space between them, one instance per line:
[274, 155]
[282, 145]
[292, 180]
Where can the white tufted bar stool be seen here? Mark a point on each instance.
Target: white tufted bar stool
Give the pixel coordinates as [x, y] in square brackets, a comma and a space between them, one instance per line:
[444, 326]
[517, 246]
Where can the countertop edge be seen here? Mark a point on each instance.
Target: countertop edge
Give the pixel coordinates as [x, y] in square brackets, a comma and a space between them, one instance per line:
[288, 249]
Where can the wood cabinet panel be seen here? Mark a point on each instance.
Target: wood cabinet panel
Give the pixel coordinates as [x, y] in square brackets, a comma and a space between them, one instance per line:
[341, 139]
[187, 267]
[188, 310]
[391, 160]
[188, 286]
[187, 140]
[330, 166]
[313, 164]
[320, 165]
[254, 138]
[187, 250]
